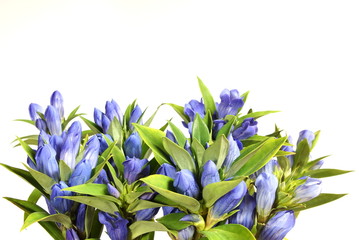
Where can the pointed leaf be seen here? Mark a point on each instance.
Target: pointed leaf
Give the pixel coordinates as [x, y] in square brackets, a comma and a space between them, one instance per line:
[229, 231]
[323, 198]
[44, 216]
[141, 227]
[45, 181]
[180, 137]
[89, 188]
[217, 152]
[101, 204]
[200, 130]
[322, 173]
[207, 97]
[180, 111]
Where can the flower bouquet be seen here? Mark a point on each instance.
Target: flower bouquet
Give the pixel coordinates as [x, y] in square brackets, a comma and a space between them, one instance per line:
[213, 178]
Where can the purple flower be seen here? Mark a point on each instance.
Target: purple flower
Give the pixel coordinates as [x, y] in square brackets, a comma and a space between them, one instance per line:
[53, 120]
[80, 218]
[229, 201]
[246, 214]
[92, 151]
[209, 174]
[57, 102]
[278, 226]
[230, 103]
[306, 134]
[97, 115]
[133, 146]
[247, 129]
[71, 145]
[105, 123]
[194, 107]
[116, 226]
[46, 161]
[60, 204]
[135, 169]
[171, 136]
[146, 214]
[186, 233]
[233, 153]
[71, 235]
[81, 174]
[185, 183]
[308, 190]
[135, 116]
[34, 109]
[266, 185]
[102, 178]
[167, 170]
[113, 191]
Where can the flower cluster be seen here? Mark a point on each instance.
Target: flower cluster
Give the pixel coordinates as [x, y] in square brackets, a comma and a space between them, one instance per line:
[218, 177]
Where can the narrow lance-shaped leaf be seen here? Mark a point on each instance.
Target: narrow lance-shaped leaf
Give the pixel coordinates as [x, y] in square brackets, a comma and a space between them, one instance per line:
[200, 130]
[45, 217]
[323, 198]
[229, 231]
[207, 97]
[322, 173]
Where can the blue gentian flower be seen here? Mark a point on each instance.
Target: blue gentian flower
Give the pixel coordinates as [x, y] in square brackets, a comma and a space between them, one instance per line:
[113, 111]
[116, 226]
[92, 151]
[230, 103]
[46, 161]
[41, 124]
[308, 190]
[34, 109]
[209, 174]
[97, 116]
[71, 144]
[53, 120]
[247, 129]
[71, 235]
[185, 183]
[80, 217]
[233, 153]
[289, 149]
[318, 165]
[229, 201]
[306, 134]
[171, 136]
[57, 102]
[194, 107]
[135, 116]
[278, 226]
[113, 191]
[102, 178]
[146, 214]
[167, 170]
[103, 143]
[246, 214]
[81, 174]
[133, 146]
[135, 169]
[186, 233]
[217, 125]
[105, 123]
[60, 204]
[266, 185]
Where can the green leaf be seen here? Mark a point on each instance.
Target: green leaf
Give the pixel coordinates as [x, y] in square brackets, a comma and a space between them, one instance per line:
[180, 137]
[26, 121]
[323, 198]
[212, 192]
[65, 171]
[316, 137]
[207, 97]
[71, 116]
[198, 151]
[180, 112]
[33, 198]
[255, 159]
[89, 188]
[118, 158]
[254, 115]
[141, 204]
[200, 130]
[44, 216]
[172, 221]
[226, 129]
[96, 202]
[93, 126]
[322, 173]
[115, 130]
[149, 121]
[153, 138]
[302, 153]
[217, 152]
[29, 151]
[45, 181]
[118, 183]
[26, 176]
[29, 208]
[92, 225]
[182, 158]
[141, 227]
[229, 231]
[163, 185]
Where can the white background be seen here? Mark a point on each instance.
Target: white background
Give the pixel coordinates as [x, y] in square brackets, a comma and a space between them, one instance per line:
[300, 57]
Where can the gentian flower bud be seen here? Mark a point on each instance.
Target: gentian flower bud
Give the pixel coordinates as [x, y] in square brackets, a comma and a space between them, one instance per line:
[133, 146]
[53, 120]
[209, 174]
[41, 124]
[112, 111]
[71, 145]
[167, 170]
[60, 204]
[135, 169]
[117, 109]
[185, 183]
[307, 191]
[278, 226]
[31, 163]
[71, 235]
[217, 125]
[46, 161]
[97, 116]
[51, 208]
[33, 110]
[269, 168]
[92, 151]
[229, 201]
[246, 130]
[233, 153]
[230, 103]
[146, 214]
[246, 214]
[306, 134]
[56, 142]
[81, 174]
[266, 185]
[186, 233]
[169, 210]
[171, 136]
[103, 142]
[80, 218]
[102, 178]
[113, 191]
[135, 116]
[116, 226]
[318, 165]
[105, 123]
[289, 149]
[187, 147]
[193, 107]
[43, 138]
[57, 102]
